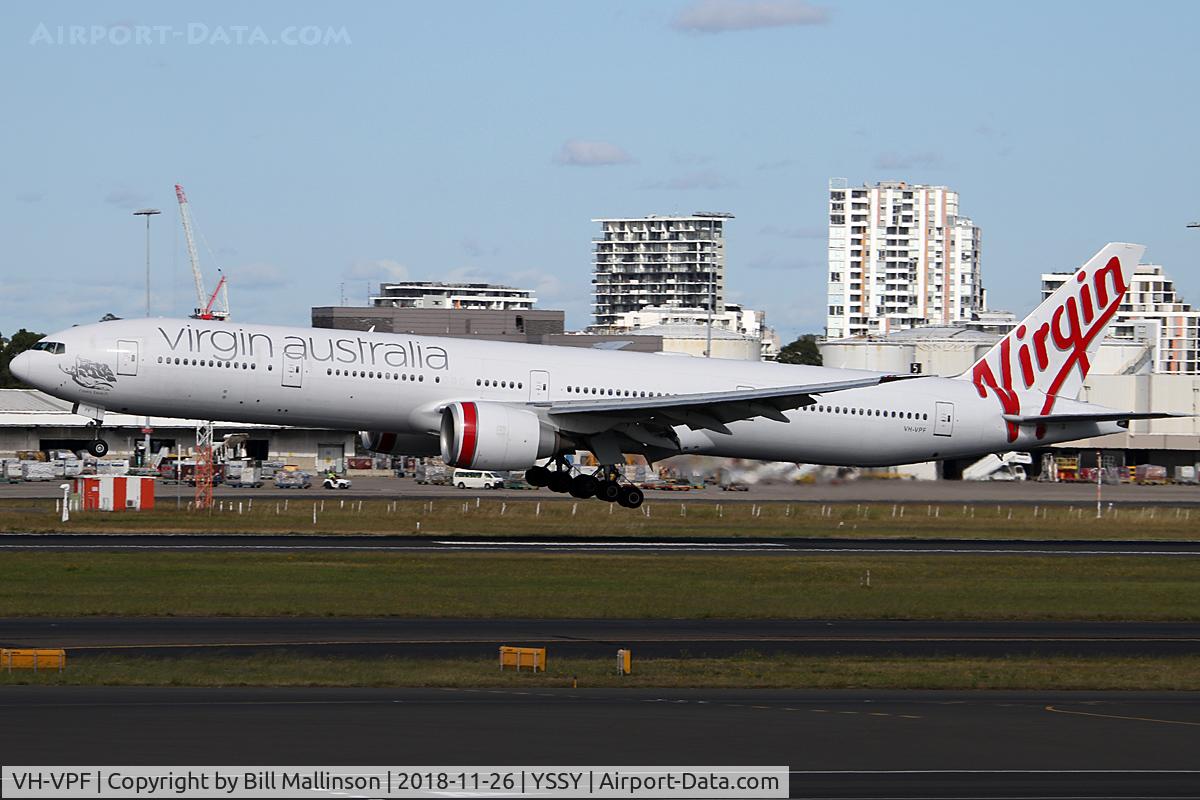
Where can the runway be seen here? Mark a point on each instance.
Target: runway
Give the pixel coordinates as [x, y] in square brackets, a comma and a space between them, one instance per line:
[837, 744]
[578, 638]
[582, 545]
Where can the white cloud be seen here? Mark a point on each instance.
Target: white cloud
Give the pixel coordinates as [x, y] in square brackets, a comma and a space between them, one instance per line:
[703, 179]
[546, 287]
[73, 302]
[583, 153]
[127, 198]
[257, 276]
[718, 16]
[898, 161]
[379, 269]
[475, 248]
[468, 275]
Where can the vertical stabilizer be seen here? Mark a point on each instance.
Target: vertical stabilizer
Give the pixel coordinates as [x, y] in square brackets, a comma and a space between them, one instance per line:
[1051, 350]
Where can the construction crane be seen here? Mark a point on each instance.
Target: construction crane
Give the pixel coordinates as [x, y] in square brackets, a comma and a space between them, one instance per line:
[204, 303]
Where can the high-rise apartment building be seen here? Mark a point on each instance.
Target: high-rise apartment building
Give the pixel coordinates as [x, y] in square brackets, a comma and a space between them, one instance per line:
[426, 294]
[1152, 312]
[658, 261]
[900, 256]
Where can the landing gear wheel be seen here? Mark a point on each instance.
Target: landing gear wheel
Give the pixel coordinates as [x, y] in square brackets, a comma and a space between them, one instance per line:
[560, 482]
[608, 491]
[630, 497]
[583, 486]
[537, 476]
[98, 448]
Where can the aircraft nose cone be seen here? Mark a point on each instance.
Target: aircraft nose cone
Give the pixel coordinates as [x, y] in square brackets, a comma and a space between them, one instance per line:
[20, 367]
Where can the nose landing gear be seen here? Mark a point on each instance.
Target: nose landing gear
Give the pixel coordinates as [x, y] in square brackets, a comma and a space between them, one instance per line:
[98, 447]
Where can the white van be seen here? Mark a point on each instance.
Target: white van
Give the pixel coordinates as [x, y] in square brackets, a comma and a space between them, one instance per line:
[477, 479]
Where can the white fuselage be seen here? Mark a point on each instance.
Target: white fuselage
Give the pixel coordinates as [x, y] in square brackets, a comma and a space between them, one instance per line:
[399, 383]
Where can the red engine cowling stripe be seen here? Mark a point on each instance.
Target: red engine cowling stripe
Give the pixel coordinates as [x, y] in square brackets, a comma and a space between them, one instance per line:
[466, 453]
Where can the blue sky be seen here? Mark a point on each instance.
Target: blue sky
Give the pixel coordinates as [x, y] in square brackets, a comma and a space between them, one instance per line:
[478, 140]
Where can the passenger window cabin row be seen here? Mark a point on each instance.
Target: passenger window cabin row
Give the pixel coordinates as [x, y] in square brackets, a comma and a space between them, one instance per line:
[209, 362]
[864, 412]
[383, 376]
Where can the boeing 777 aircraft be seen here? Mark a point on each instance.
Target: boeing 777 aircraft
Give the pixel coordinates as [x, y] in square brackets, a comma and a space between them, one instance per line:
[498, 405]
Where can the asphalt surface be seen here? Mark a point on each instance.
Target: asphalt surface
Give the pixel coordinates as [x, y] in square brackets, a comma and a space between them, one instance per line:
[837, 744]
[855, 491]
[479, 638]
[674, 546]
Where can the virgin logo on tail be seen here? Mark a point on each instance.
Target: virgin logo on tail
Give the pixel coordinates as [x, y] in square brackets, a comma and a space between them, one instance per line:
[1049, 352]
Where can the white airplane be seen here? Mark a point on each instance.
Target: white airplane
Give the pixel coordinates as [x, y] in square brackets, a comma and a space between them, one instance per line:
[498, 405]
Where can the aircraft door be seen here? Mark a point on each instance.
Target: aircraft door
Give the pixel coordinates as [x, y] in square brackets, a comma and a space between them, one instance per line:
[943, 419]
[539, 386]
[293, 371]
[127, 357]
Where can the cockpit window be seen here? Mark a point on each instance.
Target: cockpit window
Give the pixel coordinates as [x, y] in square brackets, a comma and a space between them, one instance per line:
[54, 348]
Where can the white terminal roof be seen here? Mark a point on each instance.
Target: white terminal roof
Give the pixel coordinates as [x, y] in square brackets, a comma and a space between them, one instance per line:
[673, 331]
[27, 408]
[936, 333]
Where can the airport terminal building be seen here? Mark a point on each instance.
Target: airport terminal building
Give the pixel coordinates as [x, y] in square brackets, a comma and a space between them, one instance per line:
[33, 420]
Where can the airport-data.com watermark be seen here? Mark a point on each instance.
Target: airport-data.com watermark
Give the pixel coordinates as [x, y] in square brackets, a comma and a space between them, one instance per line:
[193, 33]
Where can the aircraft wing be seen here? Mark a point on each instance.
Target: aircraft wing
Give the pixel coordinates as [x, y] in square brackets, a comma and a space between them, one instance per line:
[706, 410]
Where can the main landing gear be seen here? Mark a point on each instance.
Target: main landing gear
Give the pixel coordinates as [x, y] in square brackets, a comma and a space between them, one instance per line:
[604, 484]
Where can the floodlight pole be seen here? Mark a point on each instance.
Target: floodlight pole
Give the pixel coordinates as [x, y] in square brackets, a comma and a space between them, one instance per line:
[147, 213]
[712, 301]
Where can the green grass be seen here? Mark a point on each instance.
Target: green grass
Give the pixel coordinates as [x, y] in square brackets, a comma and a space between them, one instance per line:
[665, 515]
[745, 671]
[534, 585]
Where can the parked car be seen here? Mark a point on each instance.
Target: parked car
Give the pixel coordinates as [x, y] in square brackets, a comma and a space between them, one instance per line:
[517, 483]
[477, 479]
[335, 482]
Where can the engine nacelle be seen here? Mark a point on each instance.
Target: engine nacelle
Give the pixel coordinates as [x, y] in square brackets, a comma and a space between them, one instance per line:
[494, 436]
[400, 444]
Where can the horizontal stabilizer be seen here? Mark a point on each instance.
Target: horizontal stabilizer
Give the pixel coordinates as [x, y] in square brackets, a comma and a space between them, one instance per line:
[1101, 416]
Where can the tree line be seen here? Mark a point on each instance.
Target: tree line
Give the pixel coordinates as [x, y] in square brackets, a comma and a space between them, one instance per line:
[10, 348]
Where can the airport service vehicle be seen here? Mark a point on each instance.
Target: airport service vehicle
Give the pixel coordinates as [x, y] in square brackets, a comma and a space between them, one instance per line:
[248, 478]
[292, 479]
[435, 474]
[477, 479]
[486, 405]
[334, 482]
[998, 467]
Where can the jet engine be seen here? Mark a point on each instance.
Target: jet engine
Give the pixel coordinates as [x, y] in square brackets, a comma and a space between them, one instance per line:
[400, 444]
[494, 436]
